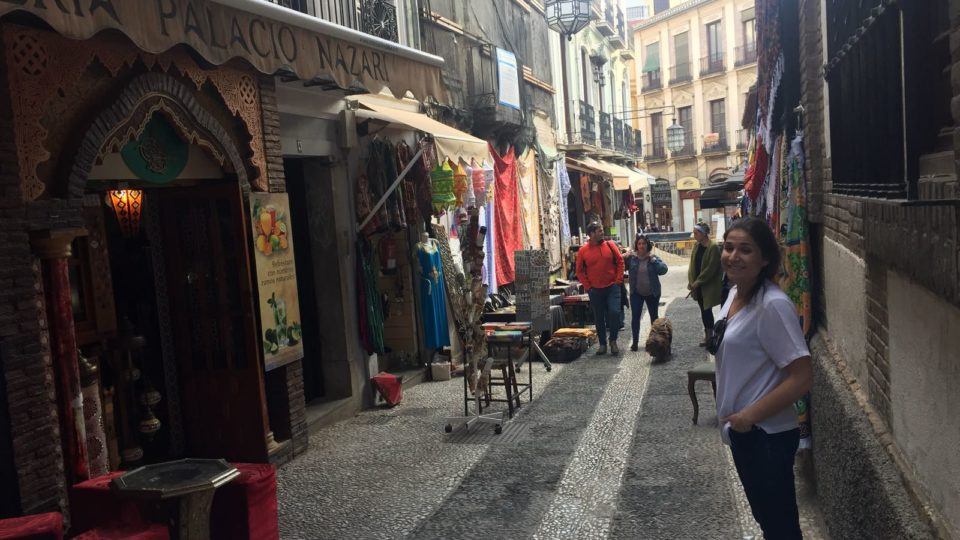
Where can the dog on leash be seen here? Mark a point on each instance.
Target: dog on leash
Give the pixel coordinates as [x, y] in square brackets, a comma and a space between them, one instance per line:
[660, 341]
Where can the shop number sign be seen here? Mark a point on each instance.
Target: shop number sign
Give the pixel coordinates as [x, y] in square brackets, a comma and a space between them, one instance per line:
[280, 331]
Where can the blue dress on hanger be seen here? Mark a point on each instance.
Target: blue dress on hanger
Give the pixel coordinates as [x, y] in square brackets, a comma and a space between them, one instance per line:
[433, 299]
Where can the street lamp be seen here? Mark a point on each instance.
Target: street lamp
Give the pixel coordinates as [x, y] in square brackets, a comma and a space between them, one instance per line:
[568, 17]
[675, 137]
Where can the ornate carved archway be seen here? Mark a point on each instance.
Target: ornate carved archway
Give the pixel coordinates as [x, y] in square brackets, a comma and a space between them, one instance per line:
[126, 119]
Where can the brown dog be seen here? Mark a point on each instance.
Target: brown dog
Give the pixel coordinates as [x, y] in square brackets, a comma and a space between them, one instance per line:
[660, 341]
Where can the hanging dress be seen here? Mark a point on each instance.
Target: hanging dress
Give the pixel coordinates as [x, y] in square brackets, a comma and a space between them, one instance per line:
[433, 298]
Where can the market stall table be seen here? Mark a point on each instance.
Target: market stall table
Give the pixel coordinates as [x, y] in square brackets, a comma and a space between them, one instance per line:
[191, 483]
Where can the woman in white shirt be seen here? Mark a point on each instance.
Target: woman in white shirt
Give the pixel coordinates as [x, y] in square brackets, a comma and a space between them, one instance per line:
[763, 367]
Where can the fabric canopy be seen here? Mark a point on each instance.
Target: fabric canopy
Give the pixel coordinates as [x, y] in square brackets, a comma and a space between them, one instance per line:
[623, 178]
[649, 178]
[450, 142]
[271, 38]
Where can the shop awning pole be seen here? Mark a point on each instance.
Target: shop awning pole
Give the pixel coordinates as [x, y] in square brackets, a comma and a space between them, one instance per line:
[392, 187]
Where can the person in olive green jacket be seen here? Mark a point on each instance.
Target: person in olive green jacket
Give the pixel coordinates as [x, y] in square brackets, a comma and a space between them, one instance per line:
[704, 276]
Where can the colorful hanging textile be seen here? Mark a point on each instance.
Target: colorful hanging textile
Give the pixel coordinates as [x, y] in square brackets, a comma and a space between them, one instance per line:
[563, 176]
[441, 180]
[489, 180]
[433, 298]
[364, 204]
[585, 193]
[477, 178]
[509, 236]
[408, 187]
[795, 235]
[529, 199]
[381, 173]
[490, 264]
[549, 207]
[459, 182]
[369, 304]
[469, 197]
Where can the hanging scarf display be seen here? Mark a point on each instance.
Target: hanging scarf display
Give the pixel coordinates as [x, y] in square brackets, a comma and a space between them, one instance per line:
[489, 263]
[381, 172]
[490, 181]
[421, 177]
[459, 182]
[364, 204]
[408, 187]
[549, 207]
[529, 199]
[563, 177]
[509, 236]
[477, 178]
[585, 193]
[469, 197]
[369, 302]
[441, 180]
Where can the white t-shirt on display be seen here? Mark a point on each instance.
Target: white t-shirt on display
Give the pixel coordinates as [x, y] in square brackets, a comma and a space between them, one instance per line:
[760, 340]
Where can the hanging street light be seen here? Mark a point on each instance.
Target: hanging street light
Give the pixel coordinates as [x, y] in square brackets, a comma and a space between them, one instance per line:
[568, 17]
[675, 137]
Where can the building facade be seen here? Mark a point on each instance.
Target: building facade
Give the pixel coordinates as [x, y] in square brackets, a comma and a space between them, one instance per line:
[883, 206]
[696, 63]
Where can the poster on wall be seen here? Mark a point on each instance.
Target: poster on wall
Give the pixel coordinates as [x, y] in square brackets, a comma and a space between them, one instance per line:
[509, 79]
[280, 331]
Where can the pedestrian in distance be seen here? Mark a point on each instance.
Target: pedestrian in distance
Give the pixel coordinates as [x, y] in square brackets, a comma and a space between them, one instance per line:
[600, 270]
[763, 367]
[645, 270]
[704, 278]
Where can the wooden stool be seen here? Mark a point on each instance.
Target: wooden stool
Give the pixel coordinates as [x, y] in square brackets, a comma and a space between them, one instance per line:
[508, 380]
[706, 371]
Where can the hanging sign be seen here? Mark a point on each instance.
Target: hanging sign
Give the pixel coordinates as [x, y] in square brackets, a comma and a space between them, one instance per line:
[508, 78]
[280, 331]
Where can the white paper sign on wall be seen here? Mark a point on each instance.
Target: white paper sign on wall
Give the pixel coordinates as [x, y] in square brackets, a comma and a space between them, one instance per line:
[508, 77]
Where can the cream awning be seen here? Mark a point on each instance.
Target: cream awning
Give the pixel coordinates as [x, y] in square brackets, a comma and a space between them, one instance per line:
[620, 179]
[271, 38]
[580, 165]
[450, 142]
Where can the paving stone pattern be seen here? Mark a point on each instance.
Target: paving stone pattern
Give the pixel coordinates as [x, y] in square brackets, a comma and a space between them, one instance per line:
[605, 450]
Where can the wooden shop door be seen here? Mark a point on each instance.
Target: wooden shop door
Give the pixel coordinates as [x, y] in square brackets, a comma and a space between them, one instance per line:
[214, 328]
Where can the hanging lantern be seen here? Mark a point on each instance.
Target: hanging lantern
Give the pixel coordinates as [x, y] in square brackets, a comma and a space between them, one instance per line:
[127, 204]
[675, 137]
[568, 16]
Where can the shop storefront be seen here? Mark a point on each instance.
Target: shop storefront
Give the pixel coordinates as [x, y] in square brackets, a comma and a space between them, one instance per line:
[661, 197]
[153, 307]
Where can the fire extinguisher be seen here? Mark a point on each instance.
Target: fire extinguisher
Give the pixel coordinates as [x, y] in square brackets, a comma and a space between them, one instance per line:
[388, 254]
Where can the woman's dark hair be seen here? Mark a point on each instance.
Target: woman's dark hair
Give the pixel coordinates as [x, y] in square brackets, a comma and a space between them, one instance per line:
[643, 237]
[762, 235]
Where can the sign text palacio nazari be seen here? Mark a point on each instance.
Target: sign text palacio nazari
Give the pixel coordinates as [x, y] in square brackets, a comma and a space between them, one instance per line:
[220, 33]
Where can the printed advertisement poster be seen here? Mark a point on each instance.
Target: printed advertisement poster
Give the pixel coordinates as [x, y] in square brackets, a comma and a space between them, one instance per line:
[280, 330]
[509, 79]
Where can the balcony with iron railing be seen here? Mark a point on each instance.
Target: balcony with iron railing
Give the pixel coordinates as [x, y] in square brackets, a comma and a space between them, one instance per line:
[680, 73]
[583, 123]
[688, 149]
[629, 148]
[746, 54]
[655, 151]
[619, 38]
[618, 139]
[374, 17]
[606, 130]
[743, 138]
[637, 143]
[712, 64]
[651, 81]
[607, 26]
[715, 143]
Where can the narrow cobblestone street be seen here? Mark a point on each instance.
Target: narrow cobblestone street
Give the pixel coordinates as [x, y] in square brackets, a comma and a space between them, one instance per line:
[605, 450]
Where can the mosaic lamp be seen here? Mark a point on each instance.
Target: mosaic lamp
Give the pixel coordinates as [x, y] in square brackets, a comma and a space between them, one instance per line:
[568, 16]
[675, 137]
[127, 205]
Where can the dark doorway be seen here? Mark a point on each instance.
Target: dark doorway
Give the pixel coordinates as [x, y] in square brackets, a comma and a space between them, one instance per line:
[214, 329]
[9, 492]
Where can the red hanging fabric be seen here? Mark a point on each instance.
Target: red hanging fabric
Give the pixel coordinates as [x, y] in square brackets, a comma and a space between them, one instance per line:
[756, 172]
[508, 236]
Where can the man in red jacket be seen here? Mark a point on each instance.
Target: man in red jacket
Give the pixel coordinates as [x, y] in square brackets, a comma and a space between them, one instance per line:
[600, 270]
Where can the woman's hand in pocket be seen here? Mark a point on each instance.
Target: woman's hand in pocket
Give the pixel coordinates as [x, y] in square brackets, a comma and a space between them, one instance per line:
[740, 422]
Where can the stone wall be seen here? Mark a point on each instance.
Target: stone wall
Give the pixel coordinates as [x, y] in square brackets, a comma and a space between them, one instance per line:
[880, 373]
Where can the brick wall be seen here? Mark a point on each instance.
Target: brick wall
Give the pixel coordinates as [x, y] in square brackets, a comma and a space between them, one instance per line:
[843, 221]
[284, 385]
[31, 400]
[812, 88]
[878, 357]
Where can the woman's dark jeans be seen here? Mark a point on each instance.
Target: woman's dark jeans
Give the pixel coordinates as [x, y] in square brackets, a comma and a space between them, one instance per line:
[765, 465]
[706, 315]
[636, 311]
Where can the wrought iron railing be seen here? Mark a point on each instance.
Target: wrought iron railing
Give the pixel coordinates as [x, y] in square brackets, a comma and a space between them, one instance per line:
[638, 142]
[654, 151]
[584, 123]
[651, 81]
[680, 73]
[342, 12]
[712, 63]
[618, 140]
[379, 18]
[629, 147]
[606, 131]
[718, 144]
[746, 54]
